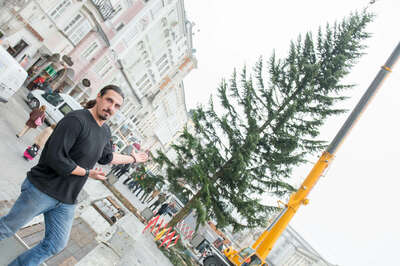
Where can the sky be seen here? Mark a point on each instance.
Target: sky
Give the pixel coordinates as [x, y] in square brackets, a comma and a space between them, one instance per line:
[352, 218]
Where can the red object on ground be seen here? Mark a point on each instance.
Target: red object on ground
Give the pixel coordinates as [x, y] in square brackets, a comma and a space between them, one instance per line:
[27, 155]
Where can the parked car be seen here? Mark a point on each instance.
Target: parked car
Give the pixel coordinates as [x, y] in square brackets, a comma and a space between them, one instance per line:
[12, 75]
[57, 104]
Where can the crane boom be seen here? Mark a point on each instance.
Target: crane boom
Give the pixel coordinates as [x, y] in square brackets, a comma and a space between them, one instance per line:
[272, 233]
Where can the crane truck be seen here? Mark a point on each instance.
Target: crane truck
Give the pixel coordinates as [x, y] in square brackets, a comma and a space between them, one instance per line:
[256, 254]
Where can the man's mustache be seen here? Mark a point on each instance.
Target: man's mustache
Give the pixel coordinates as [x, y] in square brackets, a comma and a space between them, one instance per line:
[107, 111]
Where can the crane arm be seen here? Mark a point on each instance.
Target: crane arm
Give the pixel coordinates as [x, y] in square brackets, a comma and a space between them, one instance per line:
[266, 241]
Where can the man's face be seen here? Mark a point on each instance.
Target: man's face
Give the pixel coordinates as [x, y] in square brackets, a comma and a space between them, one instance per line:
[108, 104]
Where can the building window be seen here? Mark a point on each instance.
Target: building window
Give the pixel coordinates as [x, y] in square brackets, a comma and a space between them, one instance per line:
[120, 26]
[105, 8]
[59, 9]
[103, 67]
[163, 71]
[157, 8]
[18, 48]
[162, 58]
[77, 28]
[130, 35]
[89, 52]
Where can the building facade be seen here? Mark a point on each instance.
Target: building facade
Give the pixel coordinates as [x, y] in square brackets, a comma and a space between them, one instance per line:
[145, 47]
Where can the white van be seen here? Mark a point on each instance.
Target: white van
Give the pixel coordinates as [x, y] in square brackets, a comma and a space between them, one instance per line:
[12, 75]
[57, 104]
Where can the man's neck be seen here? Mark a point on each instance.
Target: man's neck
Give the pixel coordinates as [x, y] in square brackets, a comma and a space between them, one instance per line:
[99, 121]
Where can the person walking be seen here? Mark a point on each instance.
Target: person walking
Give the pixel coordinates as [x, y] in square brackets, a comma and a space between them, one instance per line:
[123, 170]
[146, 193]
[128, 180]
[36, 118]
[155, 193]
[165, 208]
[80, 140]
[161, 199]
[39, 143]
[43, 136]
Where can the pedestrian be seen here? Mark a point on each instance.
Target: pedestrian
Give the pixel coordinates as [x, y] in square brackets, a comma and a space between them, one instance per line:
[146, 193]
[133, 184]
[155, 193]
[39, 143]
[128, 180]
[36, 118]
[165, 208]
[79, 141]
[123, 170]
[44, 135]
[161, 199]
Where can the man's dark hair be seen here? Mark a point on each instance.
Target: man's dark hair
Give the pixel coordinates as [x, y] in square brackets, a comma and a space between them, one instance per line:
[103, 91]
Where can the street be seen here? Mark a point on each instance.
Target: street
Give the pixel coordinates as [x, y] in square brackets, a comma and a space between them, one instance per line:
[13, 116]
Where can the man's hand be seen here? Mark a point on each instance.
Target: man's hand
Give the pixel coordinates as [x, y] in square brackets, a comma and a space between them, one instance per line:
[97, 174]
[140, 157]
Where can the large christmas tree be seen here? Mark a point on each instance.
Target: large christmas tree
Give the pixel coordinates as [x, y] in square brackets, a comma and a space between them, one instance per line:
[269, 122]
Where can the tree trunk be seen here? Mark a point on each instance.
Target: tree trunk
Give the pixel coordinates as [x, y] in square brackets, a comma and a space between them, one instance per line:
[184, 211]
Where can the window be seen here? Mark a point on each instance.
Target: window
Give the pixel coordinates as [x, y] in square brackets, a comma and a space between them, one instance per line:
[141, 80]
[59, 9]
[105, 9]
[103, 66]
[164, 71]
[19, 47]
[120, 26]
[159, 61]
[129, 35]
[162, 65]
[77, 28]
[80, 32]
[157, 7]
[65, 109]
[53, 98]
[89, 52]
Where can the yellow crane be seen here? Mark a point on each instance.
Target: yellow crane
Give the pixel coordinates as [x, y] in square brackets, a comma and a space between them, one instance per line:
[256, 254]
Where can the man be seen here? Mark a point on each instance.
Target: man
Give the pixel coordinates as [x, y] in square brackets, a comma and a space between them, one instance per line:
[165, 208]
[123, 170]
[51, 188]
[161, 199]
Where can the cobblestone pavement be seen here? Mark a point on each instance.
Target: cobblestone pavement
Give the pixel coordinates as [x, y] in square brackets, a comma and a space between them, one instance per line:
[13, 116]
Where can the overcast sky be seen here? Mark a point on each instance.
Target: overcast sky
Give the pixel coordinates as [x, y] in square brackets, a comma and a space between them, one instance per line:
[353, 216]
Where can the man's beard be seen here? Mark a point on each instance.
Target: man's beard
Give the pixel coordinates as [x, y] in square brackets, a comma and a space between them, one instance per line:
[103, 117]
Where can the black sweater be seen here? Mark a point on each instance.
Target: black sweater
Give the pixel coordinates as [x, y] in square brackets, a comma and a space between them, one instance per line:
[77, 140]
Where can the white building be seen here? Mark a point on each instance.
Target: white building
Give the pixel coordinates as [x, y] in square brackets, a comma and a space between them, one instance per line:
[145, 47]
[155, 52]
[292, 250]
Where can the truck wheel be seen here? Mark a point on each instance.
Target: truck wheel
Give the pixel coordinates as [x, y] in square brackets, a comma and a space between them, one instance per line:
[213, 261]
[34, 103]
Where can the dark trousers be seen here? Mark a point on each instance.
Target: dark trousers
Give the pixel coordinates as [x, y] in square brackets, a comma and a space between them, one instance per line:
[155, 205]
[133, 185]
[126, 180]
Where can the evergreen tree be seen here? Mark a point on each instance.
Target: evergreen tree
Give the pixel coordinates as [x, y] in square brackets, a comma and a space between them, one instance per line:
[265, 129]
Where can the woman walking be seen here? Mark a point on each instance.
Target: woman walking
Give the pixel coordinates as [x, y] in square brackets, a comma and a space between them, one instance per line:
[39, 143]
[36, 118]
